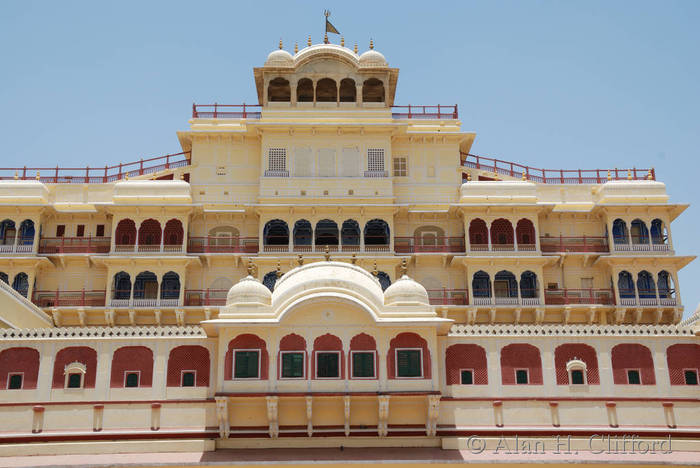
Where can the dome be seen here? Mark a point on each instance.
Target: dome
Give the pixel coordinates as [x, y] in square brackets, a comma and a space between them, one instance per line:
[250, 291]
[406, 291]
[279, 58]
[372, 58]
[336, 277]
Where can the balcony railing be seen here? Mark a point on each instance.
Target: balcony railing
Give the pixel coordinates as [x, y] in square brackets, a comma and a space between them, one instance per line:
[149, 248]
[448, 296]
[205, 297]
[375, 174]
[579, 296]
[222, 245]
[553, 176]
[300, 249]
[95, 175]
[425, 112]
[23, 245]
[59, 298]
[73, 245]
[147, 302]
[432, 244]
[638, 245]
[226, 111]
[510, 298]
[647, 298]
[574, 244]
[503, 247]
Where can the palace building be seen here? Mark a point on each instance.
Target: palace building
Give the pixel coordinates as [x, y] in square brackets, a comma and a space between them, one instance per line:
[327, 269]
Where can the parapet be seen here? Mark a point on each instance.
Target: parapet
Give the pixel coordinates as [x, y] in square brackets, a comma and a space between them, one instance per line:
[23, 192]
[152, 191]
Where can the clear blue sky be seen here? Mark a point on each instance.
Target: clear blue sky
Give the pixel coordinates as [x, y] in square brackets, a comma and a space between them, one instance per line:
[546, 83]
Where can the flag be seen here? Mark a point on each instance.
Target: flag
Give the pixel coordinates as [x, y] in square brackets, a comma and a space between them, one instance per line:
[330, 28]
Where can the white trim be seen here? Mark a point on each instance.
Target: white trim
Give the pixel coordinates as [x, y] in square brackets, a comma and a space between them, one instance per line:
[580, 365]
[527, 374]
[21, 387]
[233, 364]
[138, 373]
[374, 364]
[74, 368]
[303, 353]
[396, 363]
[460, 376]
[182, 375]
[340, 370]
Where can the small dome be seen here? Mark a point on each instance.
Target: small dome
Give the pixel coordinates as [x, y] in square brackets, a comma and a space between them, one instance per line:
[406, 291]
[248, 291]
[372, 58]
[279, 58]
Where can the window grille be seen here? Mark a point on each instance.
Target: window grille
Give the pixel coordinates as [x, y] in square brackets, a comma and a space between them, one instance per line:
[375, 159]
[400, 167]
[277, 159]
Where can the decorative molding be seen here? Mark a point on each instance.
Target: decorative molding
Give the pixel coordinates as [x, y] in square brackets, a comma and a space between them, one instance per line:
[104, 332]
[563, 330]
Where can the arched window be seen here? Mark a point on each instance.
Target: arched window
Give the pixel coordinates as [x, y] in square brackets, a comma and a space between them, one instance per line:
[21, 284]
[188, 366]
[125, 233]
[505, 285]
[528, 285]
[465, 364]
[481, 284]
[521, 365]
[170, 287]
[302, 233]
[326, 90]
[149, 232]
[620, 235]
[279, 91]
[525, 232]
[75, 360]
[350, 232]
[173, 233]
[326, 232]
[328, 358]
[19, 368]
[478, 235]
[223, 237]
[146, 286]
[132, 366]
[632, 364]
[305, 90]
[384, 280]
[665, 284]
[269, 280]
[246, 358]
[639, 233]
[376, 232]
[658, 232]
[502, 234]
[408, 357]
[683, 361]
[429, 236]
[26, 232]
[292, 357]
[348, 90]
[373, 90]
[3, 277]
[122, 286]
[565, 363]
[276, 232]
[645, 285]
[625, 285]
[7, 232]
[363, 360]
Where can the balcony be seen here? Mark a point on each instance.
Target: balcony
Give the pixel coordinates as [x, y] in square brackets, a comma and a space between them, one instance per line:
[149, 249]
[375, 174]
[226, 111]
[586, 244]
[74, 245]
[302, 249]
[438, 112]
[506, 298]
[23, 245]
[457, 297]
[206, 245]
[143, 302]
[639, 244]
[647, 298]
[429, 245]
[58, 298]
[579, 296]
[205, 297]
[503, 248]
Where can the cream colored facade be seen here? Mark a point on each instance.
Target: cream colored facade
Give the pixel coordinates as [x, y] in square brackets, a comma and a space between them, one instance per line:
[327, 194]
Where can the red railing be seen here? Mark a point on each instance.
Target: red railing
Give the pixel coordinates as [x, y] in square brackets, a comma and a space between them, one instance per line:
[448, 296]
[205, 297]
[222, 245]
[579, 296]
[226, 111]
[574, 244]
[58, 298]
[94, 175]
[424, 112]
[554, 176]
[69, 245]
[434, 244]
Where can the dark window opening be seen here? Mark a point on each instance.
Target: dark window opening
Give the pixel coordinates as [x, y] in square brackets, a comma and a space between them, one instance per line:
[633, 377]
[348, 90]
[577, 377]
[363, 365]
[466, 377]
[691, 377]
[327, 365]
[305, 90]
[100, 231]
[74, 380]
[408, 363]
[521, 377]
[246, 365]
[326, 90]
[60, 230]
[188, 379]
[279, 91]
[132, 380]
[15, 382]
[292, 365]
[80, 232]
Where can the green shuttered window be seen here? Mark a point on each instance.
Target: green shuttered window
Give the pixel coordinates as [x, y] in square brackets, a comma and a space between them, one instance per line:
[246, 365]
[292, 365]
[363, 365]
[408, 363]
